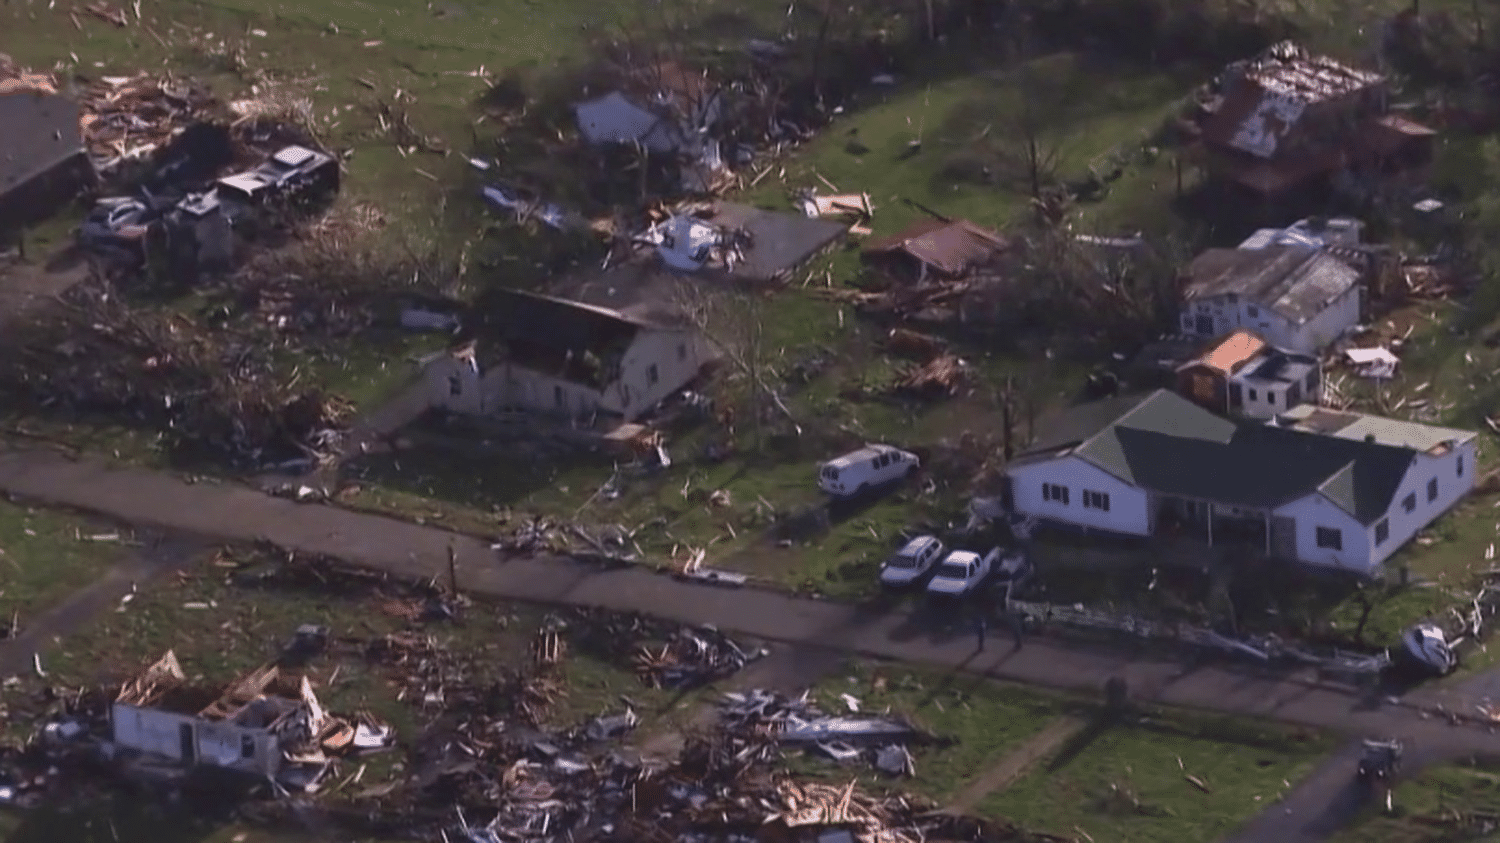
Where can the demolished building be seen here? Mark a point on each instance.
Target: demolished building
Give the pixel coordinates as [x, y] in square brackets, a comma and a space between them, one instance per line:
[1288, 118]
[938, 248]
[268, 723]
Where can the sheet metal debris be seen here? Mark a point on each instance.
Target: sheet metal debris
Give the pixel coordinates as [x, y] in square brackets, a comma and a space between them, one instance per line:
[691, 657]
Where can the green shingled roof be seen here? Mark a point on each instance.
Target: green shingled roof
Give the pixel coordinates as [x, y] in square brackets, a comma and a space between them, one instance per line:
[1169, 445]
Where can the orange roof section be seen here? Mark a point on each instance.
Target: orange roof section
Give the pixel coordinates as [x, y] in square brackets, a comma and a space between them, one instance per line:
[1233, 351]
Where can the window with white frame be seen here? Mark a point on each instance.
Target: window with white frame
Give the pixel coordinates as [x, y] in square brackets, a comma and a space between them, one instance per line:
[1409, 503]
[1432, 490]
[1096, 500]
[1382, 531]
[1055, 492]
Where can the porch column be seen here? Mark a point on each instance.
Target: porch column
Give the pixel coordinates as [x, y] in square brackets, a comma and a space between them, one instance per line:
[1208, 515]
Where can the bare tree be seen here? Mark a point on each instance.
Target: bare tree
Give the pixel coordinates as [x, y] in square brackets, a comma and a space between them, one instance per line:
[733, 323]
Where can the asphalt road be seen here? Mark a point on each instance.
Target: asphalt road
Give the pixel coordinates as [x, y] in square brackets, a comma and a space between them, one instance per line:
[233, 512]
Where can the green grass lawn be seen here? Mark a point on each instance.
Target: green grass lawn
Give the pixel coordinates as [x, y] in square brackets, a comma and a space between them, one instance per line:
[46, 556]
[976, 721]
[1126, 782]
[1437, 806]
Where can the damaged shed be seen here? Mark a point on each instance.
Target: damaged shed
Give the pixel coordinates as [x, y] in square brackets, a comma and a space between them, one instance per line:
[947, 249]
[550, 355]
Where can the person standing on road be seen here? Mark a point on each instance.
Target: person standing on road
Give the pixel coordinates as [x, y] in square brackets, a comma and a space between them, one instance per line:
[979, 630]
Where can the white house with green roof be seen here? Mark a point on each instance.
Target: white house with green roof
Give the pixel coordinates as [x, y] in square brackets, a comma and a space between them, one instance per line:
[1336, 489]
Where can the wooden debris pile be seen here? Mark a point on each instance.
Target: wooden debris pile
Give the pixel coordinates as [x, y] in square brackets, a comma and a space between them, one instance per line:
[211, 393]
[940, 377]
[690, 658]
[915, 345]
[128, 118]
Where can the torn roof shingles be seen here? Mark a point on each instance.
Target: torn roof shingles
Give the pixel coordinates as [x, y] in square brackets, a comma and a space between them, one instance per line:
[1296, 282]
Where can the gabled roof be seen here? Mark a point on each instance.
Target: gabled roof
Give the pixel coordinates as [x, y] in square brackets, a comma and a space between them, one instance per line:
[1266, 97]
[1296, 282]
[1165, 443]
[950, 247]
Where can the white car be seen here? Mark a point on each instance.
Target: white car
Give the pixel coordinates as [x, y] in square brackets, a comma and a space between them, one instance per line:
[859, 471]
[961, 572]
[914, 559]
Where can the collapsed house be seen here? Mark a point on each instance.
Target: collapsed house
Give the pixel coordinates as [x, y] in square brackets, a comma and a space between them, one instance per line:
[43, 161]
[266, 724]
[739, 242]
[1288, 119]
[1298, 297]
[1242, 374]
[551, 355]
[1324, 488]
[937, 248]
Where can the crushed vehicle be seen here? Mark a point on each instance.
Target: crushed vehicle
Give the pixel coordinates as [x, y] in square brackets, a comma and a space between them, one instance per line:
[860, 471]
[1379, 761]
[295, 173]
[962, 572]
[118, 226]
[1426, 646]
[911, 562]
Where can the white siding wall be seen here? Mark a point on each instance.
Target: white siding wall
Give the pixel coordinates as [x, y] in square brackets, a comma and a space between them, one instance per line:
[1316, 511]
[1128, 510]
[509, 386]
[1318, 332]
[1310, 338]
[148, 730]
[1451, 487]
[678, 357]
[439, 375]
[1261, 406]
[218, 744]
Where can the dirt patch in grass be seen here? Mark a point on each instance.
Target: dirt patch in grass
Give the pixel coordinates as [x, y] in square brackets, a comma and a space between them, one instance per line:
[1017, 762]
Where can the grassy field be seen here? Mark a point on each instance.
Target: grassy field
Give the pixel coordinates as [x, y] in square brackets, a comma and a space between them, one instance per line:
[1458, 802]
[1127, 782]
[1088, 777]
[46, 556]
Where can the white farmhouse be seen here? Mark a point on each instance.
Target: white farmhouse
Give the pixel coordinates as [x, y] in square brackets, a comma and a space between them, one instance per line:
[552, 355]
[1339, 490]
[1299, 297]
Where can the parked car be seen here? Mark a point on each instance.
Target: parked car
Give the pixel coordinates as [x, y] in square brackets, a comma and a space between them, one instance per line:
[1379, 761]
[1427, 647]
[859, 471]
[117, 227]
[295, 172]
[913, 560]
[962, 572]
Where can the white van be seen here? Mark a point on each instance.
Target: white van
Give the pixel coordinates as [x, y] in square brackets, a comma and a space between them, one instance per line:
[859, 471]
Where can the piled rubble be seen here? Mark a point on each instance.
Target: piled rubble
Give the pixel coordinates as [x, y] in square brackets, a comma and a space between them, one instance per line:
[690, 658]
[798, 722]
[215, 393]
[941, 376]
[128, 118]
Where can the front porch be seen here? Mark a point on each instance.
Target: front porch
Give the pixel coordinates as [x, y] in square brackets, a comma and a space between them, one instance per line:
[1239, 531]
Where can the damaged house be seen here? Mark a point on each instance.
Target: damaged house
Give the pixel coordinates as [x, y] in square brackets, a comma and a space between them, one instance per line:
[1241, 374]
[265, 724]
[43, 161]
[1288, 119]
[665, 109]
[939, 249]
[1325, 488]
[551, 355]
[1297, 297]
